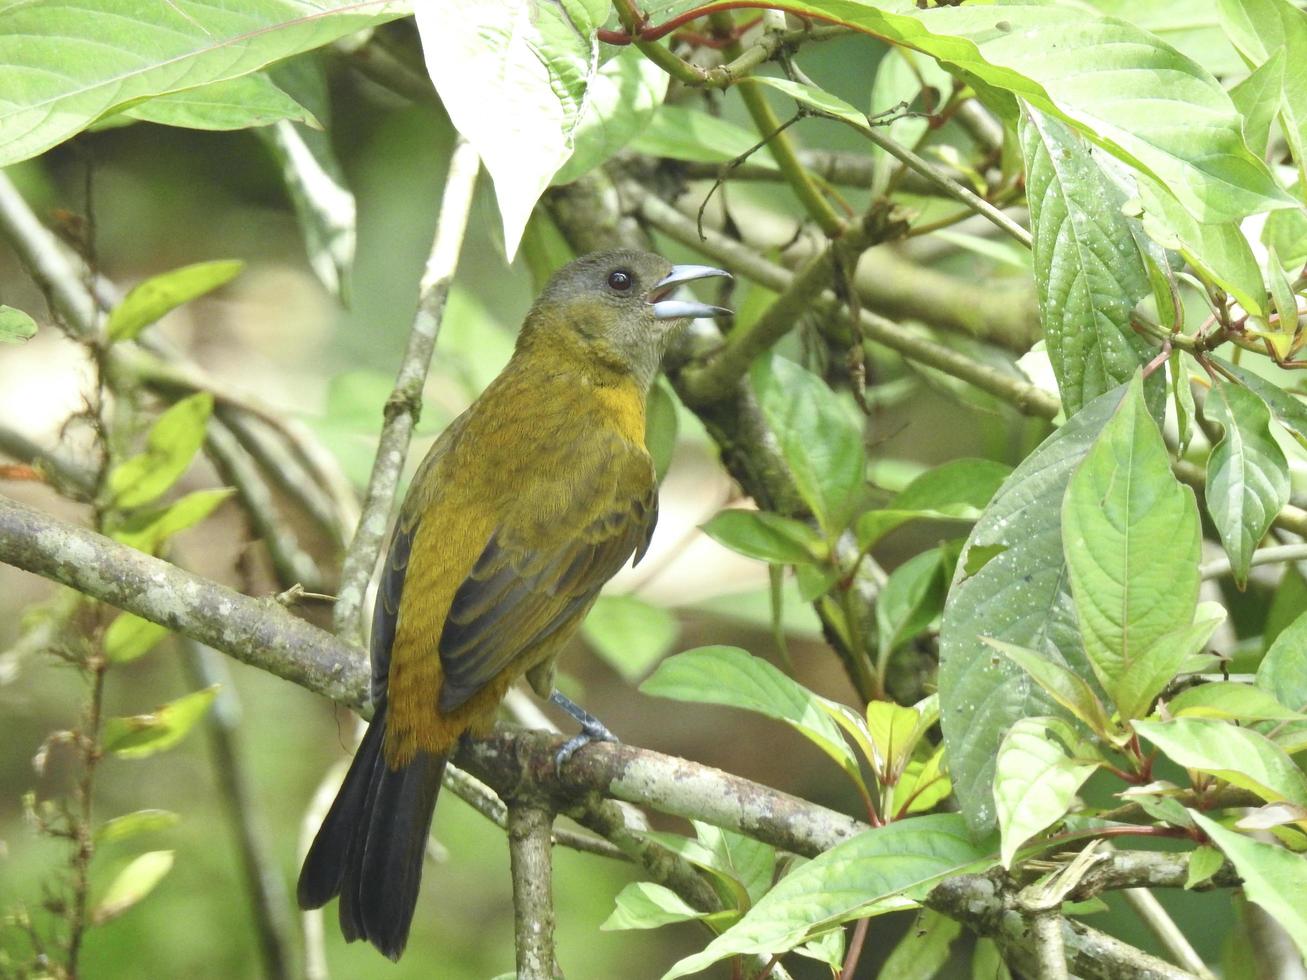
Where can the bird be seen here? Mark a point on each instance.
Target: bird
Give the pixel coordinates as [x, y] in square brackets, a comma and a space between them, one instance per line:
[523, 508]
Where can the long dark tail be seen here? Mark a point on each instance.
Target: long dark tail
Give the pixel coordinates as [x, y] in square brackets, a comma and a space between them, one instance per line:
[370, 848]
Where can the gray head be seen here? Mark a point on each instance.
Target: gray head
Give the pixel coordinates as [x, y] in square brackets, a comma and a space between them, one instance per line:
[617, 308]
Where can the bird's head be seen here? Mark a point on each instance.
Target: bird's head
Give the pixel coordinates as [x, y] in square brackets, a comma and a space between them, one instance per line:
[616, 309]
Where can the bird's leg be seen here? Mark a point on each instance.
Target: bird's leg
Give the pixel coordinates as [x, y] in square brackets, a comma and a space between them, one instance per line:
[592, 729]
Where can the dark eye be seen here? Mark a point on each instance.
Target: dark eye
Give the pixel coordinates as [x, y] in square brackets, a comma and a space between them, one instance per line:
[620, 280]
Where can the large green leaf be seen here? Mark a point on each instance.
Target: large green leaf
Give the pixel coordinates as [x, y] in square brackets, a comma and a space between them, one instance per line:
[1035, 780]
[1240, 756]
[679, 132]
[1247, 474]
[878, 871]
[1273, 877]
[237, 103]
[818, 436]
[67, 63]
[1283, 671]
[1257, 98]
[956, 490]
[734, 677]
[1120, 86]
[1132, 538]
[645, 905]
[514, 77]
[1088, 273]
[1021, 596]
[766, 536]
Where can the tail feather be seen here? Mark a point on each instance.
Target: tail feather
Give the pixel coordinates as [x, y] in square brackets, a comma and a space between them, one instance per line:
[372, 843]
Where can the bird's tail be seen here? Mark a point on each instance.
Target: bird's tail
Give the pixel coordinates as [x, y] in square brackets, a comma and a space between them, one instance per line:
[370, 847]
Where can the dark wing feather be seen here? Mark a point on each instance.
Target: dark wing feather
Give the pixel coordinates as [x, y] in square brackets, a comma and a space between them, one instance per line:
[516, 598]
[385, 612]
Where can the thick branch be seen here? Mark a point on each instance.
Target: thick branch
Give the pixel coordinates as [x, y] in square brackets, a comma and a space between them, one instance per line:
[405, 401]
[531, 858]
[255, 631]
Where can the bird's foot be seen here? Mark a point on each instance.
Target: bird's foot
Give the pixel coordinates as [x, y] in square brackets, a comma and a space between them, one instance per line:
[592, 729]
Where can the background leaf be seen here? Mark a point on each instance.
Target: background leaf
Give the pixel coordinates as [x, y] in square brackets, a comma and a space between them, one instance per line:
[150, 300]
[1238, 755]
[15, 326]
[630, 634]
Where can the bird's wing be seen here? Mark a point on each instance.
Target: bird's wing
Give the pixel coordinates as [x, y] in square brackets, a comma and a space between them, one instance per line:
[517, 595]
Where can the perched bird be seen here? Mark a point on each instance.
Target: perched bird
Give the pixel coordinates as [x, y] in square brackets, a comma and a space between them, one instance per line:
[525, 506]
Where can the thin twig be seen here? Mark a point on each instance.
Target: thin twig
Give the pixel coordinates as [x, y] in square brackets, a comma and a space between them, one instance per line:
[1164, 928]
[1274, 555]
[404, 404]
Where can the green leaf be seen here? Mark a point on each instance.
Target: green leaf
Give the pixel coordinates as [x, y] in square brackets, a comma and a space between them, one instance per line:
[131, 824]
[172, 443]
[894, 732]
[630, 634]
[923, 950]
[749, 862]
[1203, 863]
[910, 599]
[1273, 877]
[129, 637]
[681, 133]
[619, 103]
[132, 884]
[1261, 30]
[1240, 756]
[1035, 781]
[660, 426]
[766, 536]
[818, 436]
[137, 736]
[1283, 671]
[1257, 98]
[1288, 410]
[150, 300]
[1019, 595]
[733, 677]
[645, 905]
[238, 103]
[68, 64]
[954, 491]
[514, 77]
[1132, 538]
[987, 962]
[15, 326]
[1218, 251]
[904, 76]
[1067, 688]
[1231, 702]
[1158, 665]
[877, 871]
[1119, 85]
[146, 530]
[1247, 474]
[1286, 232]
[1088, 273]
[922, 785]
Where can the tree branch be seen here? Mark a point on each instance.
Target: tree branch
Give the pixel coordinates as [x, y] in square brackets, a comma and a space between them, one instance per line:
[405, 401]
[531, 860]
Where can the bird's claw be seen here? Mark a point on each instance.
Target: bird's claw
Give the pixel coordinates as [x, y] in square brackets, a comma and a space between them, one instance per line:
[592, 730]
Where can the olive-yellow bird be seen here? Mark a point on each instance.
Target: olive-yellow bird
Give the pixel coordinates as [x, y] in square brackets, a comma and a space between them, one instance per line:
[525, 506]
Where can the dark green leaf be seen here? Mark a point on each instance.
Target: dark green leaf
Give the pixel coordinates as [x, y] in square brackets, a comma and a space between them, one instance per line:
[150, 300]
[1088, 272]
[1067, 688]
[1247, 474]
[1020, 596]
[923, 950]
[910, 599]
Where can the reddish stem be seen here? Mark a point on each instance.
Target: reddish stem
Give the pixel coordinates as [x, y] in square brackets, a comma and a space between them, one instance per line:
[644, 32]
[855, 949]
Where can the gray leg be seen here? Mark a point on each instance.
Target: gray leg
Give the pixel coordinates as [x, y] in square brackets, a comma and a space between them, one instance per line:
[592, 729]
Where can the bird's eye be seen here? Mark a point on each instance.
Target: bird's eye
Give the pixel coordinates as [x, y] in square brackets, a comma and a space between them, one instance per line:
[620, 280]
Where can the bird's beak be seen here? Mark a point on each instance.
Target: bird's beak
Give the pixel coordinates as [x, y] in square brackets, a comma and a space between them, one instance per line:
[677, 309]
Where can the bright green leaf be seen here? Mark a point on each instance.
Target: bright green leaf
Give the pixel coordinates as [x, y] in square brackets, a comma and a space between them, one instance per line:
[1088, 273]
[922, 785]
[766, 536]
[750, 862]
[129, 637]
[514, 77]
[133, 883]
[1247, 474]
[894, 731]
[1035, 781]
[1230, 701]
[1257, 98]
[15, 326]
[1019, 595]
[237, 103]
[1203, 863]
[630, 634]
[67, 63]
[877, 871]
[1165, 657]
[140, 735]
[131, 824]
[954, 491]
[645, 905]
[146, 530]
[733, 677]
[1273, 877]
[1132, 537]
[150, 300]
[1240, 756]
[818, 436]
[621, 98]
[1283, 671]
[173, 441]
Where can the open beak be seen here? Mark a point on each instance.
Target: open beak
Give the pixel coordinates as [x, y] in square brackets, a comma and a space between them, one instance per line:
[676, 309]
